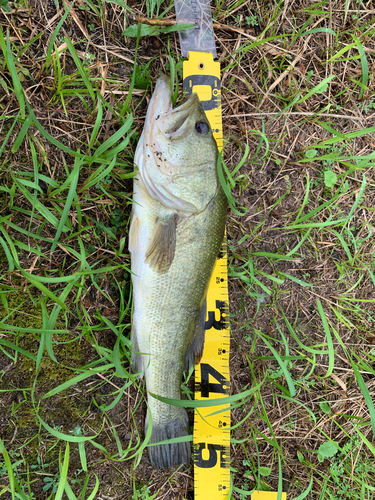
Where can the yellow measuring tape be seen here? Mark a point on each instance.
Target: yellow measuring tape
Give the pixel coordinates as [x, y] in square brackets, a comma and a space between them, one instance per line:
[211, 438]
[211, 425]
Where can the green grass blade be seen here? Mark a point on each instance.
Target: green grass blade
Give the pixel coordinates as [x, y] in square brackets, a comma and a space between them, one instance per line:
[295, 280]
[82, 456]
[364, 64]
[348, 137]
[115, 137]
[68, 203]
[42, 344]
[306, 492]
[120, 147]
[125, 107]
[80, 67]
[8, 255]
[300, 243]
[9, 241]
[78, 378]
[341, 52]
[212, 402]
[305, 200]
[117, 398]
[95, 490]
[98, 123]
[44, 290]
[69, 492]
[3, 46]
[280, 481]
[319, 208]
[22, 133]
[358, 199]
[231, 201]
[41, 279]
[242, 161]
[16, 348]
[282, 364]
[51, 139]
[270, 255]
[319, 30]
[368, 443]
[331, 352]
[10, 132]
[36, 180]
[68, 437]
[323, 490]
[318, 89]
[331, 129]
[120, 371]
[98, 175]
[8, 465]
[122, 4]
[16, 81]
[55, 33]
[279, 281]
[366, 394]
[344, 245]
[63, 474]
[13, 328]
[14, 485]
[338, 222]
[44, 211]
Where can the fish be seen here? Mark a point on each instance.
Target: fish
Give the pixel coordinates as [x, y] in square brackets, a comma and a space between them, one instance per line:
[176, 231]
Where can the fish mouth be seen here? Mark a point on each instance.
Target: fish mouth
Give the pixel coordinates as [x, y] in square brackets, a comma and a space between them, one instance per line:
[170, 121]
[178, 117]
[174, 122]
[161, 101]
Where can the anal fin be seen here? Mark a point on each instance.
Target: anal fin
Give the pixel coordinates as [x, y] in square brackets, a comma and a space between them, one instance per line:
[137, 359]
[195, 350]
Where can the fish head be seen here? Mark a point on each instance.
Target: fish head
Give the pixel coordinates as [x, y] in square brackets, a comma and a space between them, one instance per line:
[177, 153]
[184, 138]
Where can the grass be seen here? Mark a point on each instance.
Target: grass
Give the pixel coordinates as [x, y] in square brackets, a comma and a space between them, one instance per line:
[298, 171]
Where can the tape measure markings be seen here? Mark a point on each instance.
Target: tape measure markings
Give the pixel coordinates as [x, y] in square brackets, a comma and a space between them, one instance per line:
[211, 439]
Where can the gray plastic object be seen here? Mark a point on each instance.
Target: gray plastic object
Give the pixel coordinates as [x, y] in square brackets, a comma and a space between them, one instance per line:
[201, 38]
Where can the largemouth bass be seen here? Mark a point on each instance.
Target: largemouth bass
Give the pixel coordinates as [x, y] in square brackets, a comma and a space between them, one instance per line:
[177, 227]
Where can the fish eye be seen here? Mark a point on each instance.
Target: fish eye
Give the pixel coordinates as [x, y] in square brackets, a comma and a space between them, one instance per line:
[201, 127]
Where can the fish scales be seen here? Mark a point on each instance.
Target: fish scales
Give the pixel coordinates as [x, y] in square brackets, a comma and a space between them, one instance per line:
[177, 228]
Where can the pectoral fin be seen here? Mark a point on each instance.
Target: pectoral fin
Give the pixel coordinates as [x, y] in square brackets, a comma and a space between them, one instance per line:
[160, 253]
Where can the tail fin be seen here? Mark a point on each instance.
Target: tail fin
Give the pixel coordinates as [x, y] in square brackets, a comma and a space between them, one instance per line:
[164, 456]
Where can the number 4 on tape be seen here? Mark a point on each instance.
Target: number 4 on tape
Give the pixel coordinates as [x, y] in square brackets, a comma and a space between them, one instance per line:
[266, 495]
